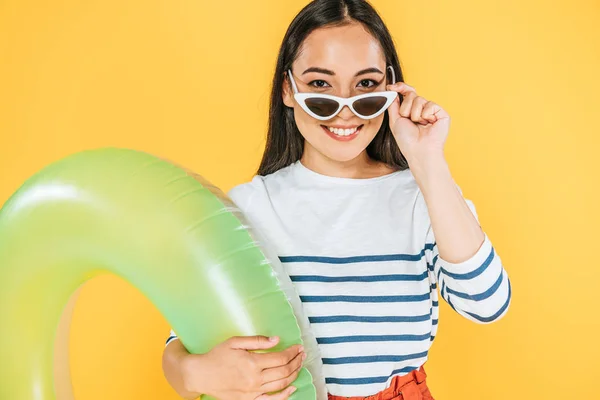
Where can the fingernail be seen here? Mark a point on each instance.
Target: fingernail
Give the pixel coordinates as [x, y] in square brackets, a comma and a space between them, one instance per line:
[273, 338]
[293, 389]
[303, 356]
[301, 349]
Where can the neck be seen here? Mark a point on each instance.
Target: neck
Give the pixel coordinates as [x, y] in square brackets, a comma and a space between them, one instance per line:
[360, 167]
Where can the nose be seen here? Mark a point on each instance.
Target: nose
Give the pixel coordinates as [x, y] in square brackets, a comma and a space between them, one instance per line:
[346, 113]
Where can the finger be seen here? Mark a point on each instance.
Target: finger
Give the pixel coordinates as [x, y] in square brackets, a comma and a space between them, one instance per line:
[417, 110]
[272, 360]
[402, 88]
[283, 395]
[429, 112]
[252, 342]
[433, 112]
[274, 374]
[394, 111]
[280, 384]
[406, 105]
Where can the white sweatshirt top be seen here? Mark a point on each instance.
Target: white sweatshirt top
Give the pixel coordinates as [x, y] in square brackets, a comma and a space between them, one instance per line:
[363, 258]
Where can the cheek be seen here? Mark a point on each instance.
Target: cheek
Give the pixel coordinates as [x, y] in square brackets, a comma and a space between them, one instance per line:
[307, 125]
[373, 126]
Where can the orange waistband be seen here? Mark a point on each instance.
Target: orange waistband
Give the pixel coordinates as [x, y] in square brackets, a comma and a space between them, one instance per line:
[411, 386]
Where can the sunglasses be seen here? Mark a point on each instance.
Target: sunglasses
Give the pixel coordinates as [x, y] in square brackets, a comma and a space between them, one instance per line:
[325, 106]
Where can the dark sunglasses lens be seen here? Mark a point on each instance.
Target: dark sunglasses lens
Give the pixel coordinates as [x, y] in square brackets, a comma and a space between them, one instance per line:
[322, 107]
[369, 105]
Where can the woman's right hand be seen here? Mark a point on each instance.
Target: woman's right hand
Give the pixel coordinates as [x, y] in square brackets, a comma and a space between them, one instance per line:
[230, 371]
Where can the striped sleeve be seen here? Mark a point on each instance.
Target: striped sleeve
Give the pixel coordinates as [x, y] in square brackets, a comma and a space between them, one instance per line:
[477, 288]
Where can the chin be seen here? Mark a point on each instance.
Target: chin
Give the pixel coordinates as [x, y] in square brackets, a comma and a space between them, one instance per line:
[343, 156]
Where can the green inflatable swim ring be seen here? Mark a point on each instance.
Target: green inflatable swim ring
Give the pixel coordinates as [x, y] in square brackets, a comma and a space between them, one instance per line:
[175, 237]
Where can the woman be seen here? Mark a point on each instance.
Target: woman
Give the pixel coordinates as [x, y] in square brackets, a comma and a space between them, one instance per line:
[357, 200]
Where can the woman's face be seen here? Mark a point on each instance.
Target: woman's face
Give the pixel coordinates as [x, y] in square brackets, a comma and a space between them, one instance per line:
[340, 56]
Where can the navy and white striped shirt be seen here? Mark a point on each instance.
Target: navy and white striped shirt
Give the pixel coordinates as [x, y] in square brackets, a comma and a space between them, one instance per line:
[362, 256]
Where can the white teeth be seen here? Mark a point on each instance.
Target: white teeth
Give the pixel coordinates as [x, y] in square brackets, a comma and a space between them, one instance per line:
[343, 132]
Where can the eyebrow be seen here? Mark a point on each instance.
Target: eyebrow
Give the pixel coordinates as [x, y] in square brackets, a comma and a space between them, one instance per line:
[330, 72]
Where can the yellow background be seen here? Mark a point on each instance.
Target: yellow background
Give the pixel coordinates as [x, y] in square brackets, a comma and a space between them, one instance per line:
[189, 81]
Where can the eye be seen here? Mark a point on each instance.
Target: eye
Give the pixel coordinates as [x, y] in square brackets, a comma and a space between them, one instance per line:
[321, 83]
[365, 83]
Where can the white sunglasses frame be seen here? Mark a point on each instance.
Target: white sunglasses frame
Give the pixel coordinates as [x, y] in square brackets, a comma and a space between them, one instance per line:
[344, 101]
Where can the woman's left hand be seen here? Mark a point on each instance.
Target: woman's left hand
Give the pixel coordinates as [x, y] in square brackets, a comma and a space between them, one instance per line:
[419, 126]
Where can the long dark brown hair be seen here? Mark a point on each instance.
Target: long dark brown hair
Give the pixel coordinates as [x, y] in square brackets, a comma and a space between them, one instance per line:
[285, 144]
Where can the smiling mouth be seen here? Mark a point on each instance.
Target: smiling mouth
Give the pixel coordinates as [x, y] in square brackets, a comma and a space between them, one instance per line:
[342, 133]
